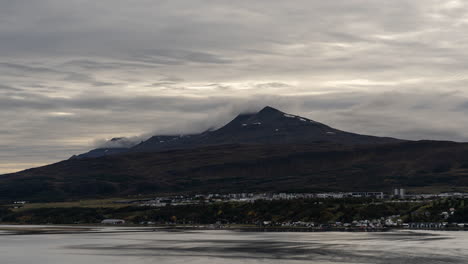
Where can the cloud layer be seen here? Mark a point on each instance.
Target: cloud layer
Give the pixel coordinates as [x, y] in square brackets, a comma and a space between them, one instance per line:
[75, 72]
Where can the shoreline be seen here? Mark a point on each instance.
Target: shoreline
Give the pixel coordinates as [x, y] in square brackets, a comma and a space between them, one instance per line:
[82, 229]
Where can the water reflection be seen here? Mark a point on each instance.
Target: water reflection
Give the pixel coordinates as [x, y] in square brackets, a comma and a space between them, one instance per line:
[120, 245]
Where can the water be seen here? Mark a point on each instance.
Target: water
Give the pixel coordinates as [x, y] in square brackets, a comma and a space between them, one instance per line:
[137, 246]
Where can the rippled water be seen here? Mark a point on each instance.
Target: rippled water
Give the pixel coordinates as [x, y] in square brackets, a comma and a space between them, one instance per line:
[137, 246]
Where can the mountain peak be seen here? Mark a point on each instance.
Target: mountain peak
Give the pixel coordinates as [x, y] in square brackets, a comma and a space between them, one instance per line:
[268, 126]
[269, 110]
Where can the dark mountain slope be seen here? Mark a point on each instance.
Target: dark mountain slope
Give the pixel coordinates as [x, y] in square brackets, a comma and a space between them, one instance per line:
[113, 150]
[269, 126]
[100, 152]
[423, 165]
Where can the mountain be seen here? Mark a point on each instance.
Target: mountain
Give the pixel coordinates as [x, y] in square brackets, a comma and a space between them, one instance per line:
[423, 166]
[99, 152]
[111, 147]
[268, 126]
[268, 151]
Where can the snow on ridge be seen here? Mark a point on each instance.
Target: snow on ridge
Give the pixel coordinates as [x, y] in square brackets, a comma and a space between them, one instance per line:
[253, 124]
[298, 117]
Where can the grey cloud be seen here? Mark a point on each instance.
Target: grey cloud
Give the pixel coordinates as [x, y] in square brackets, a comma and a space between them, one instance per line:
[187, 56]
[9, 88]
[27, 69]
[171, 79]
[96, 64]
[85, 78]
[273, 85]
[74, 71]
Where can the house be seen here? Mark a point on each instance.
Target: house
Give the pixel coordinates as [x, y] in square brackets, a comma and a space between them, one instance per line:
[427, 225]
[113, 222]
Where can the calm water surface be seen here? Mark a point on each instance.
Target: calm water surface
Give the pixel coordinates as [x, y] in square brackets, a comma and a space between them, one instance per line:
[123, 245]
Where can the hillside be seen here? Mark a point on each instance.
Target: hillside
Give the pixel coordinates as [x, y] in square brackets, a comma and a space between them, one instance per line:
[422, 165]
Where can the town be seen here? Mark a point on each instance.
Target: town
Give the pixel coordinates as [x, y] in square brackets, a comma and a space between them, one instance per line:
[397, 195]
[340, 211]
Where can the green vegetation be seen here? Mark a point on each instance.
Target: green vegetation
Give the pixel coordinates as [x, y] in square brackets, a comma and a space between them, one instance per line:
[4, 212]
[310, 210]
[96, 203]
[432, 212]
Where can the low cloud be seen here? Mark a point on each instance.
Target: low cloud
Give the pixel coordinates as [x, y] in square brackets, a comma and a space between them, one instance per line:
[119, 142]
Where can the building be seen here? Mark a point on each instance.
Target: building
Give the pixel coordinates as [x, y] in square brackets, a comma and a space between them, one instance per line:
[379, 195]
[402, 193]
[399, 193]
[427, 225]
[113, 222]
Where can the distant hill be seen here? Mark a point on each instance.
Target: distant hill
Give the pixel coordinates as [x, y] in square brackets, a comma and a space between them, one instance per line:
[423, 166]
[268, 151]
[268, 126]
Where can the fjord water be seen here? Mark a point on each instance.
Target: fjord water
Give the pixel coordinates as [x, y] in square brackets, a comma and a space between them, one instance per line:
[138, 246]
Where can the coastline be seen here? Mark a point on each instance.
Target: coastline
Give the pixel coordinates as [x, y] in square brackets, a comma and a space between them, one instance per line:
[80, 229]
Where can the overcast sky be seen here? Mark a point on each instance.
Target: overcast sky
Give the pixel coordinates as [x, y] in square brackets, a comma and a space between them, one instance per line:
[75, 72]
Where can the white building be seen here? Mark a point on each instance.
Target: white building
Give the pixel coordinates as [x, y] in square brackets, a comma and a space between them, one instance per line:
[400, 193]
[113, 222]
